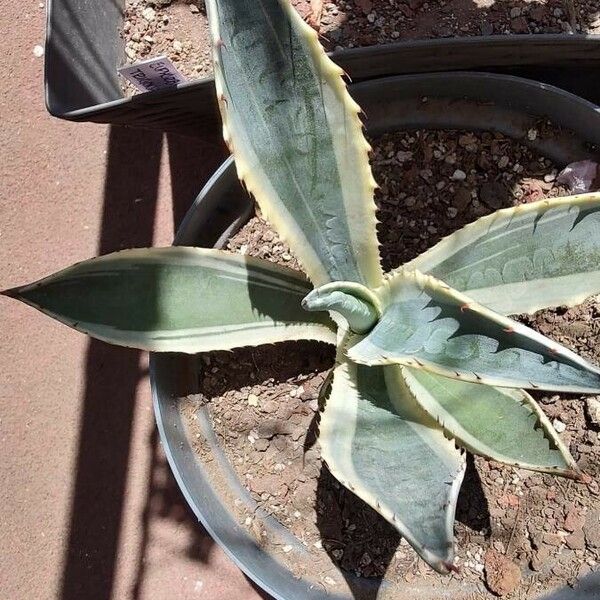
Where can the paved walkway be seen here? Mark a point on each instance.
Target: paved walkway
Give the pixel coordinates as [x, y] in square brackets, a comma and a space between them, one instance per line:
[88, 508]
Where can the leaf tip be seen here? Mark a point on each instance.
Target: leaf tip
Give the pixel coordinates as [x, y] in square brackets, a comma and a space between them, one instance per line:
[450, 567]
[12, 293]
[579, 476]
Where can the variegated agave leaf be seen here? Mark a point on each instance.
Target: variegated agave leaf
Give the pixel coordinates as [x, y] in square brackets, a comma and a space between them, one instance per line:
[523, 259]
[179, 299]
[382, 446]
[358, 305]
[296, 137]
[428, 324]
[499, 423]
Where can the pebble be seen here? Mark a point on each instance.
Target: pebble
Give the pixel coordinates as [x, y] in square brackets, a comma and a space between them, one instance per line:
[502, 575]
[261, 445]
[574, 520]
[177, 46]
[592, 409]
[559, 426]
[38, 51]
[520, 25]
[149, 13]
[459, 175]
[252, 400]
[403, 155]
[591, 529]
[493, 193]
[576, 541]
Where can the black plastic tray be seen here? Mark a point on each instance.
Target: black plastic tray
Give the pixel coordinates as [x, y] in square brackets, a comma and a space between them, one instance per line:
[84, 49]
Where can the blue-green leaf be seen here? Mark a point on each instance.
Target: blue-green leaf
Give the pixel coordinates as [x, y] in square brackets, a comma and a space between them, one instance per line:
[296, 137]
[382, 446]
[523, 259]
[500, 423]
[179, 300]
[426, 323]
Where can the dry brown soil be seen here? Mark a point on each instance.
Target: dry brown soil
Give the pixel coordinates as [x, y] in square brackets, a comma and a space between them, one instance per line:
[179, 28]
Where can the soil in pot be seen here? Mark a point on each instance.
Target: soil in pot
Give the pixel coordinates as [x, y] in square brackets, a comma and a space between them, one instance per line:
[517, 533]
[179, 28]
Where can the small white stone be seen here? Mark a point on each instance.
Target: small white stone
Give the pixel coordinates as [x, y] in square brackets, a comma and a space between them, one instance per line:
[559, 425]
[177, 46]
[252, 400]
[295, 393]
[149, 13]
[532, 134]
[287, 548]
[593, 409]
[38, 51]
[459, 175]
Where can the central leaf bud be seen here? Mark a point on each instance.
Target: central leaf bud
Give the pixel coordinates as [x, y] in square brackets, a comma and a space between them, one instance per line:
[354, 302]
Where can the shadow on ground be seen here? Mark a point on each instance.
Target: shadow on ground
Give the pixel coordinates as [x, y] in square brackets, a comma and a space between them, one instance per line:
[114, 374]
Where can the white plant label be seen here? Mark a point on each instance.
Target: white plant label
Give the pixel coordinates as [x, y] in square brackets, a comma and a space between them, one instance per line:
[152, 74]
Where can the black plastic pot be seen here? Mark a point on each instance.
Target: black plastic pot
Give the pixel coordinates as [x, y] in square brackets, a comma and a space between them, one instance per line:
[84, 49]
[487, 102]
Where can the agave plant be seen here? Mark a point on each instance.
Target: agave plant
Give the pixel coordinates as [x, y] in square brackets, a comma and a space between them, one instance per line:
[428, 363]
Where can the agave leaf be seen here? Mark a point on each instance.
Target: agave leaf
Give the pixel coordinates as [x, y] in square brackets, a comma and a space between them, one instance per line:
[179, 299]
[355, 303]
[499, 423]
[523, 259]
[428, 324]
[382, 446]
[296, 137]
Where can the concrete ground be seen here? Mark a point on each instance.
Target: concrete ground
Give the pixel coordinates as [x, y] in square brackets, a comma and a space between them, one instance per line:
[88, 507]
